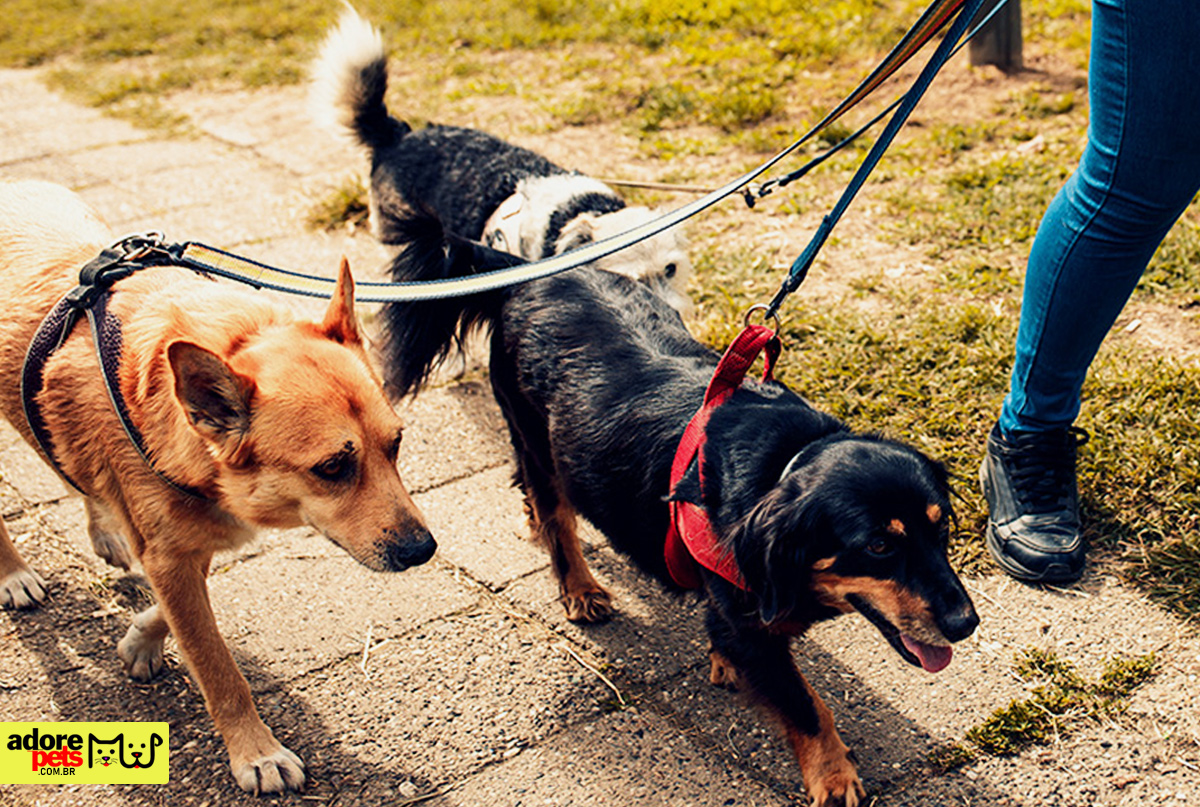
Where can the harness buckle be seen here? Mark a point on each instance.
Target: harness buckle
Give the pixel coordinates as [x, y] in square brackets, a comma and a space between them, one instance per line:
[116, 262]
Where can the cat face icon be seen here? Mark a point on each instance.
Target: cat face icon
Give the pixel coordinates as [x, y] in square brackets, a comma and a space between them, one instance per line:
[104, 753]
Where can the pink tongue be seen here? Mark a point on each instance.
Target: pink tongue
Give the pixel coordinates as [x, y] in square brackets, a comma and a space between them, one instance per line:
[934, 658]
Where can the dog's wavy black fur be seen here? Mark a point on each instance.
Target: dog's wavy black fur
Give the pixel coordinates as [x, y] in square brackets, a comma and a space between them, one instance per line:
[597, 378]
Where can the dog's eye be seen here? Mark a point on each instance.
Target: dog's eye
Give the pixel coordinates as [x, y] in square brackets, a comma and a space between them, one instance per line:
[879, 547]
[337, 468]
[670, 270]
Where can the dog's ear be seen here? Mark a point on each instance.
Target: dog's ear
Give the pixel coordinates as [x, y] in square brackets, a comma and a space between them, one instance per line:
[340, 323]
[215, 398]
[772, 546]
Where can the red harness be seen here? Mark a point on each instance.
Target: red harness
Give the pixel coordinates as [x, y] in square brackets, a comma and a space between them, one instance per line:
[690, 536]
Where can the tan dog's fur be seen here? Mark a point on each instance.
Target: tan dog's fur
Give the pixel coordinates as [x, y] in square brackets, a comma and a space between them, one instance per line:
[262, 412]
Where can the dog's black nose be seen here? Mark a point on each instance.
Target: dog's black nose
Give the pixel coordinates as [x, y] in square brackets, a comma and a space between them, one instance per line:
[959, 623]
[408, 549]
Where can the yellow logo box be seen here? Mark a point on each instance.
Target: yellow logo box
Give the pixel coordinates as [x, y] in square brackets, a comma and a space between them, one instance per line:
[83, 753]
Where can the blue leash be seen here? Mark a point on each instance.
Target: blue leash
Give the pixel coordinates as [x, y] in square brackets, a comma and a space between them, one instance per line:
[945, 50]
[770, 185]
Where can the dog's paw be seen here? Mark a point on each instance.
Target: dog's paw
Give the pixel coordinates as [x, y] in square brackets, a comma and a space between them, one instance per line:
[722, 673]
[22, 589]
[271, 773]
[141, 654]
[591, 605]
[838, 788]
[112, 548]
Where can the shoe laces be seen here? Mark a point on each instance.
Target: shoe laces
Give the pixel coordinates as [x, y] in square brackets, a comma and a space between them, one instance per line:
[1041, 466]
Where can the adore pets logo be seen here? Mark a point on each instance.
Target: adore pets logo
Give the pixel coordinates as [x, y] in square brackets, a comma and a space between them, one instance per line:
[102, 753]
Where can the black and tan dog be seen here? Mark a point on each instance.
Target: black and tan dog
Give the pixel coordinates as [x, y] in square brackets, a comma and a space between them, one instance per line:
[597, 378]
[257, 418]
[483, 187]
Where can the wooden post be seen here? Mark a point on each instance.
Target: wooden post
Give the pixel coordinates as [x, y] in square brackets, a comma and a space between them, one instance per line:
[999, 43]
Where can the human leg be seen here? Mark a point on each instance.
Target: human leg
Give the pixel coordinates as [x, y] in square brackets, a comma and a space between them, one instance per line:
[1139, 171]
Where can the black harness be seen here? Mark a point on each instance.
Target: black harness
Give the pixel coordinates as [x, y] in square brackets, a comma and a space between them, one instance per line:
[90, 297]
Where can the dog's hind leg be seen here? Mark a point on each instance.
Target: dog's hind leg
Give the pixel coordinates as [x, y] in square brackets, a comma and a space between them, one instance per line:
[766, 671]
[106, 536]
[553, 525]
[141, 650]
[552, 521]
[20, 586]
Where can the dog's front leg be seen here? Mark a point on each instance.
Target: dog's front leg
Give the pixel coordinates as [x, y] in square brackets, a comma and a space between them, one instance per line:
[259, 762]
[763, 666]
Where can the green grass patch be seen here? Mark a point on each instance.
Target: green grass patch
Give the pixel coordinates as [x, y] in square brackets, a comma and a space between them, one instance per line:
[1061, 700]
[344, 207]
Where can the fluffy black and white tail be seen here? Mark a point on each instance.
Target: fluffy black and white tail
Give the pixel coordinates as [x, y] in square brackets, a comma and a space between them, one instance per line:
[349, 81]
[417, 337]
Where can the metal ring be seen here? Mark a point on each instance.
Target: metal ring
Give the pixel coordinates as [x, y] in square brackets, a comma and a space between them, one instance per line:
[138, 245]
[764, 308]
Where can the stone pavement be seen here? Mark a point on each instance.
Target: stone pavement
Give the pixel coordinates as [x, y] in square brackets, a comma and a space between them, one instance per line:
[460, 682]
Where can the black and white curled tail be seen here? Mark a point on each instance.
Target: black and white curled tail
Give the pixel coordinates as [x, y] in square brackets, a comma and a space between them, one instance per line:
[349, 81]
[417, 337]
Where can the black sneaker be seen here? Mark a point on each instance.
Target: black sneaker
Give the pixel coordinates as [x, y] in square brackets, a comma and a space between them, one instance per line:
[1033, 504]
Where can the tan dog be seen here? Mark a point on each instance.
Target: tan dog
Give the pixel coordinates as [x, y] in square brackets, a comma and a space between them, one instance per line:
[277, 422]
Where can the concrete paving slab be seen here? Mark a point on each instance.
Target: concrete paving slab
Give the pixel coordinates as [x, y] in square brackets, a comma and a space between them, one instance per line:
[454, 696]
[480, 528]
[25, 470]
[38, 122]
[320, 610]
[652, 636]
[278, 128]
[631, 757]
[452, 433]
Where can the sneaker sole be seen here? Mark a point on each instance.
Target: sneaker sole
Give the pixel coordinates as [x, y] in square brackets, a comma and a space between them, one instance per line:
[1054, 573]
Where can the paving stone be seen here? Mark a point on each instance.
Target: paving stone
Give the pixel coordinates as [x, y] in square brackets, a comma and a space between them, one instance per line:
[480, 528]
[631, 757]
[25, 470]
[653, 635]
[456, 695]
[320, 610]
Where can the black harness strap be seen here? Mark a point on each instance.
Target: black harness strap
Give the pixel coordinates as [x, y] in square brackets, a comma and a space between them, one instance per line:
[90, 297]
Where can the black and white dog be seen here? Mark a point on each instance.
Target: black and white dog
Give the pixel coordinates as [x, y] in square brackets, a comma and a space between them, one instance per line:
[482, 187]
[597, 378]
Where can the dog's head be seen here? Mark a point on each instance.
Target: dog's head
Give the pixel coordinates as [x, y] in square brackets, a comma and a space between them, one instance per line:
[660, 261]
[299, 432]
[860, 523]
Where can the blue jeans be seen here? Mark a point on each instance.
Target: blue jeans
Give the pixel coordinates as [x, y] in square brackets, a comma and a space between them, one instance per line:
[1140, 169]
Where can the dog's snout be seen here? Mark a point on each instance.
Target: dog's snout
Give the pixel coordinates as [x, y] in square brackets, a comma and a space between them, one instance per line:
[405, 549]
[960, 622]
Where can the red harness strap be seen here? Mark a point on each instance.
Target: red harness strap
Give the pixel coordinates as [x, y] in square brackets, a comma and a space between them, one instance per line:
[690, 536]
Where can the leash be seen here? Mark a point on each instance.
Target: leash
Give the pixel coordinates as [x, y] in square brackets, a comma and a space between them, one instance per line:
[90, 298]
[691, 540]
[945, 49]
[216, 262]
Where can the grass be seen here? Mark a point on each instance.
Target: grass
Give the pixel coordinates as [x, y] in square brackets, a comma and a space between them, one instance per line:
[1060, 702]
[717, 82]
[344, 207]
